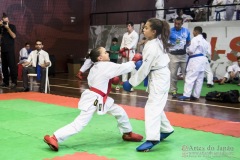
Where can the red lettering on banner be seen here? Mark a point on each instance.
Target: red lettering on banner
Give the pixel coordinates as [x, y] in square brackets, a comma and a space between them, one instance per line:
[235, 46]
[213, 44]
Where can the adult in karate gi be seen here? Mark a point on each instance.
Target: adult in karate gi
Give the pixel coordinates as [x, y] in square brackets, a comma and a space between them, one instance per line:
[196, 65]
[96, 99]
[155, 66]
[129, 44]
[208, 69]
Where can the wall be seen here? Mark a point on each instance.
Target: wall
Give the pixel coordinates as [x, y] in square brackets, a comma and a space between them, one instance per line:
[51, 22]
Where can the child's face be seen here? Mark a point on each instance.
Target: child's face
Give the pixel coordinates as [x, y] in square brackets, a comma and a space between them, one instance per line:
[104, 55]
[148, 32]
[114, 42]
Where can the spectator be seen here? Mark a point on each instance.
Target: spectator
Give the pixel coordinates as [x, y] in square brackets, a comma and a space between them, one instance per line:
[8, 35]
[218, 12]
[233, 73]
[195, 66]
[159, 13]
[186, 18]
[199, 13]
[114, 50]
[23, 55]
[229, 10]
[208, 69]
[142, 39]
[129, 44]
[24, 52]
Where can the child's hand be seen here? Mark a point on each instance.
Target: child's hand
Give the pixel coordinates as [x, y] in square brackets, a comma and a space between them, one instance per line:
[79, 75]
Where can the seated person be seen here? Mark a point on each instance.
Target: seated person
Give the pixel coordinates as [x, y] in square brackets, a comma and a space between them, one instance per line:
[24, 52]
[23, 55]
[186, 18]
[233, 72]
[37, 62]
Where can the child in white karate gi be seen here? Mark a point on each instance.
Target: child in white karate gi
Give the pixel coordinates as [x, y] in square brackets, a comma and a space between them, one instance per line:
[155, 66]
[95, 99]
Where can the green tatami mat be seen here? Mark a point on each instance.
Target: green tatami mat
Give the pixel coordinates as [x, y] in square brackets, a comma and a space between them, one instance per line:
[205, 89]
[24, 123]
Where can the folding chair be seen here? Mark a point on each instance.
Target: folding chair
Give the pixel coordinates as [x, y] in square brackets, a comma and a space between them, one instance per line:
[47, 86]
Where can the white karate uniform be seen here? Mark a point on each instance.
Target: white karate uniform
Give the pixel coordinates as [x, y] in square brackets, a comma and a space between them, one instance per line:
[155, 66]
[23, 55]
[208, 69]
[159, 5]
[98, 77]
[218, 13]
[129, 41]
[195, 67]
[86, 65]
[235, 68]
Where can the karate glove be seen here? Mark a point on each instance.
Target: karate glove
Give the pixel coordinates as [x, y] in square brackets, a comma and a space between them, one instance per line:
[137, 57]
[124, 54]
[115, 80]
[122, 50]
[127, 86]
[79, 75]
[138, 64]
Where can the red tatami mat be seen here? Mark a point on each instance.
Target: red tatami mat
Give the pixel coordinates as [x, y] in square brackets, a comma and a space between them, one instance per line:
[78, 156]
[180, 120]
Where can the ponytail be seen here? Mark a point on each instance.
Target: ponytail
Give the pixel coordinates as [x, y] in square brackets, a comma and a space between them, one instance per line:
[162, 28]
[165, 35]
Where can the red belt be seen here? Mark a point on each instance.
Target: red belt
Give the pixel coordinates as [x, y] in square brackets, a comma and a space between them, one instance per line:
[100, 93]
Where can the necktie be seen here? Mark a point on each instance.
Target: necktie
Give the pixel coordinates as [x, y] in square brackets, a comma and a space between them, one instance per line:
[38, 68]
[37, 59]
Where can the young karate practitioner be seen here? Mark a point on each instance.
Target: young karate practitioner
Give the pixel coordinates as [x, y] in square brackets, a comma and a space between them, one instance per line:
[196, 65]
[95, 99]
[155, 66]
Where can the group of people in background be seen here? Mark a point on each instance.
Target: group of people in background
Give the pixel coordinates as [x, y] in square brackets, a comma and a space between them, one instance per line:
[35, 61]
[199, 12]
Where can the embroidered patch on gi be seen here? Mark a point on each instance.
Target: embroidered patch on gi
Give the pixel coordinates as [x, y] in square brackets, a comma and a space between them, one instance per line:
[95, 102]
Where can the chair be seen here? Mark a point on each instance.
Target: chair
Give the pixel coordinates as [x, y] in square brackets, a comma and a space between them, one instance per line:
[47, 86]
